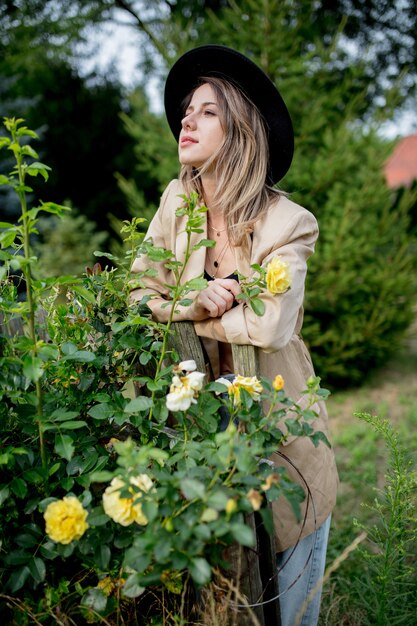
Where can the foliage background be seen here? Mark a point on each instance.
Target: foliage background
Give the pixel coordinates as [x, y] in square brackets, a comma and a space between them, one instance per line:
[343, 68]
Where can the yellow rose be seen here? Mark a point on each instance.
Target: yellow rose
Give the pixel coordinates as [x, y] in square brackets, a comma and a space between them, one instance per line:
[249, 383]
[278, 382]
[277, 276]
[125, 511]
[65, 520]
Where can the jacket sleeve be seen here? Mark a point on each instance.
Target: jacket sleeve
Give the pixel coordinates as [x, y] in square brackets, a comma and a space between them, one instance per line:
[158, 233]
[272, 331]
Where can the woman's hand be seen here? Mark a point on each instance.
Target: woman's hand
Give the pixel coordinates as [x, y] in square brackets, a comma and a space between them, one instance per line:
[216, 299]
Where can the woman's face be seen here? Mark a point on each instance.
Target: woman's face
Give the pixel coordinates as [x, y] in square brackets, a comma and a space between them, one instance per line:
[202, 133]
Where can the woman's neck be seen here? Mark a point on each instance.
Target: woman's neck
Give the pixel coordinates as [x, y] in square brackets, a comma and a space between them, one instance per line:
[209, 184]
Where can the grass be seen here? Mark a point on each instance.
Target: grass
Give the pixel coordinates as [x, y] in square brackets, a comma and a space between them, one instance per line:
[391, 393]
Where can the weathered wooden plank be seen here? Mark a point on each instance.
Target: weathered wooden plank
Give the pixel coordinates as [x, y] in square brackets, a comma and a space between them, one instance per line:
[268, 572]
[245, 360]
[244, 571]
[185, 341]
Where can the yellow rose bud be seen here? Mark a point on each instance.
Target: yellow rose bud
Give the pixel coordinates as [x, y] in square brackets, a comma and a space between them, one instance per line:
[255, 498]
[278, 278]
[272, 479]
[231, 506]
[278, 383]
[65, 520]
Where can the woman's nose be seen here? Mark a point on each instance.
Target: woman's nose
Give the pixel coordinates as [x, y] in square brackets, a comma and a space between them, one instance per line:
[188, 122]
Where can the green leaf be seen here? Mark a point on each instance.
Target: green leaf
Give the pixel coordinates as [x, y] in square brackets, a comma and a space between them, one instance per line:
[204, 243]
[29, 151]
[70, 425]
[196, 284]
[132, 588]
[101, 477]
[7, 238]
[141, 403]
[218, 500]
[85, 293]
[18, 579]
[55, 209]
[62, 415]
[26, 540]
[192, 488]
[267, 519]
[145, 357]
[101, 411]
[97, 517]
[4, 494]
[68, 348]
[82, 356]
[320, 436]
[102, 555]
[257, 306]
[200, 571]
[19, 487]
[242, 534]
[38, 168]
[95, 599]
[37, 569]
[32, 367]
[159, 254]
[64, 446]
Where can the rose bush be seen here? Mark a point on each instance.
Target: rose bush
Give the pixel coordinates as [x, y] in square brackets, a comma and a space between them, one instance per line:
[112, 443]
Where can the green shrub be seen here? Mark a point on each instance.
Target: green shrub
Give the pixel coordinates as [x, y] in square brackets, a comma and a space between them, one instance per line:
[362, 281]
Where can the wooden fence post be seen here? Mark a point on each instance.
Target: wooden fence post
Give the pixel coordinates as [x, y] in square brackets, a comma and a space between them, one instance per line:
[253, 570]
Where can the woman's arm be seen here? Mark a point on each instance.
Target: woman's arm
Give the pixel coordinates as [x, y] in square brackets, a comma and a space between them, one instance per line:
[294, 243]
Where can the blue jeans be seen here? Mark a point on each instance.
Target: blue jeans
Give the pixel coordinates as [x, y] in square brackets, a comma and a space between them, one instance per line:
[298, 574]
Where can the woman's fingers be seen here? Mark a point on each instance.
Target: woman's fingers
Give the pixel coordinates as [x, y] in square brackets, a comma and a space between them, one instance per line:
[219, 296]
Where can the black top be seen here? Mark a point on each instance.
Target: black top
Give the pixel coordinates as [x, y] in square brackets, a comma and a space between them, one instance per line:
[232, 276]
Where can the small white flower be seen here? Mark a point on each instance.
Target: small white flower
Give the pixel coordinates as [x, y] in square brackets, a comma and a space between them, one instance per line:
[187, 366]
[184, 390]
[195, 380]
[222, 381]
[180, 398]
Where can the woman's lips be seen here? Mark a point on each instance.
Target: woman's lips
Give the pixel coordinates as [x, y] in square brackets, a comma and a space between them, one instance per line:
[187, 141]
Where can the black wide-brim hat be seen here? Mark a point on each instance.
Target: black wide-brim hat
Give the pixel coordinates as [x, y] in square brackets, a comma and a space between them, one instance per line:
[223, 62]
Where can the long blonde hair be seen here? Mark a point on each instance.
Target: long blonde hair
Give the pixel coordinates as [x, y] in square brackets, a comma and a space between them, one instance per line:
[241, 163]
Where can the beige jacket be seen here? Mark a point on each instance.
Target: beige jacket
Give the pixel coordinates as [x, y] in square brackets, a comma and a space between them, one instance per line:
[290, 231]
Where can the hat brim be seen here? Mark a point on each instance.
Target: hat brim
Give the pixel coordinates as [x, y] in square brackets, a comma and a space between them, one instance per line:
[223, 62]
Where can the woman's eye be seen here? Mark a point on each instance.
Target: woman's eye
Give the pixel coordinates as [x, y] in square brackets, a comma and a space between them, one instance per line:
[208, 112]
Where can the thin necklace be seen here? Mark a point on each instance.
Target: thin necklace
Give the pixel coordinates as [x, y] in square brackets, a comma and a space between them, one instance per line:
[218, 231]
[219, 259]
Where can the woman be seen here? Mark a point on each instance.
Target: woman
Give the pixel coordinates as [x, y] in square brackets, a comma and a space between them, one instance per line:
[235, 141]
